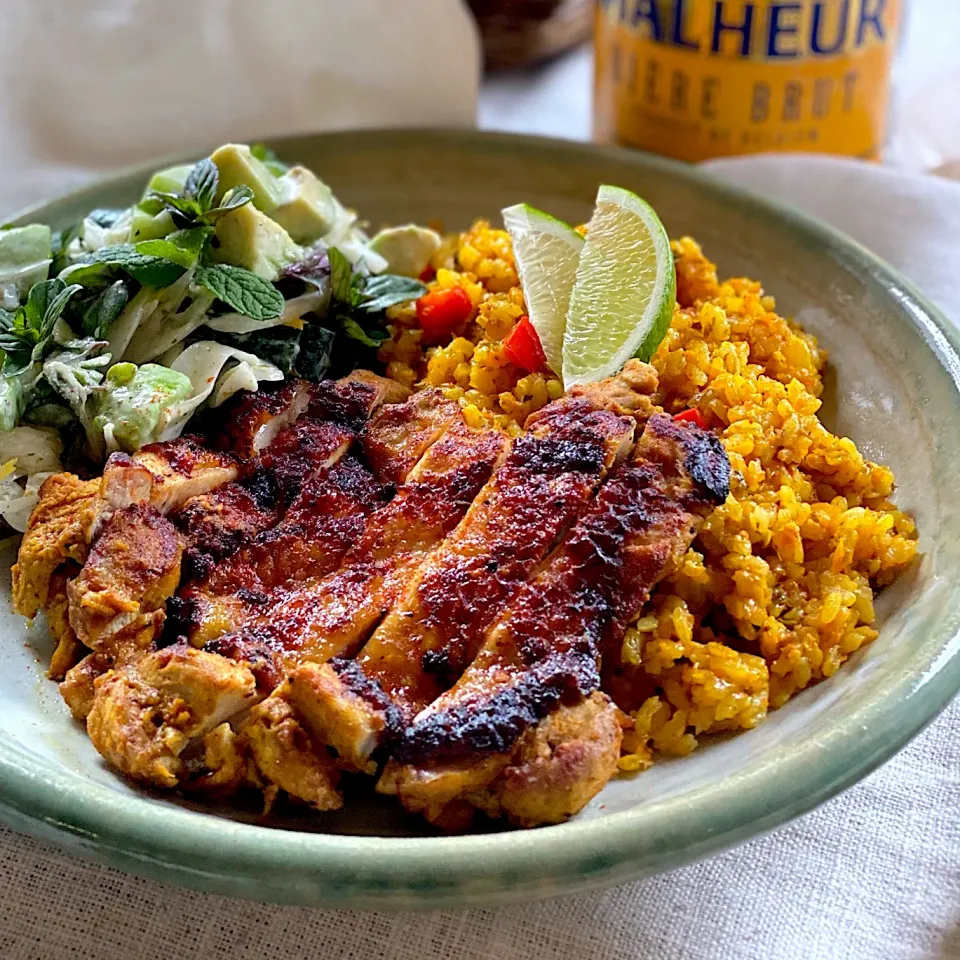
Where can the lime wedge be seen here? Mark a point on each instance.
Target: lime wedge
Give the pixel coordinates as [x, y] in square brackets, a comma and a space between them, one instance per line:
[547, 252]
[624, 292]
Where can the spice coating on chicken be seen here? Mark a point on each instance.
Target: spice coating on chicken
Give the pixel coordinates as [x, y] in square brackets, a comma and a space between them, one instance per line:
[58, 531]
[145, 713]
[333, 616]
[118, 599]
[434, 630]
[380, 581]
[543, 652]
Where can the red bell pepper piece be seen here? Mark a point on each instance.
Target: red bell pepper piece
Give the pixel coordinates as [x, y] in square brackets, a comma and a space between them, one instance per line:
[692, 416]
[441, 312]
[522, 346]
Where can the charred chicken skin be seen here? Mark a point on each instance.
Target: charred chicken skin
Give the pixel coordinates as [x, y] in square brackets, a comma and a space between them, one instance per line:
[343, 577]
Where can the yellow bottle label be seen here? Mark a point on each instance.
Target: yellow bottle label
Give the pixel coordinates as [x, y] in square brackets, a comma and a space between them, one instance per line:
[705, 78]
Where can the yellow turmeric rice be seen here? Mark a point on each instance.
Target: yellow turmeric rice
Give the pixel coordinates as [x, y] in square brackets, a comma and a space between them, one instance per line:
[777, 590]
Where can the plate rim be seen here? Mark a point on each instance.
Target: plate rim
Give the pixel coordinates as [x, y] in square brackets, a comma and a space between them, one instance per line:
[171, 843]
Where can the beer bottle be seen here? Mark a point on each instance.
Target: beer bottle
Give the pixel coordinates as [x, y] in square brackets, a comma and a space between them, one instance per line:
[696, 79]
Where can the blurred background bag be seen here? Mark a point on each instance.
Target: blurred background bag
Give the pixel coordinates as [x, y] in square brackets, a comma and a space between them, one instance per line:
[93, 86]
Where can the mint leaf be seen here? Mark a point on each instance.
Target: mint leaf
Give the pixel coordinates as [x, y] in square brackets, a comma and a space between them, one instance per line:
[385, 290]
[54, 300]
[25, 335]
[59, 242]
[269, 159]
[185, 210]
[369, 338]
[201, 183]
[234, 198]
[182, 247]
[151, 271]
[101, 314]
[341, 277]
[242, 290]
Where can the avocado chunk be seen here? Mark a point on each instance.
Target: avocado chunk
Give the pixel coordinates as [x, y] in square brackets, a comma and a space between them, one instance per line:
[24, 257]
[236, 165]
[250, 239]
[170, 180]
[308, 209]
[155, 226]
[407, 249]
[136, 399]
[147, 226]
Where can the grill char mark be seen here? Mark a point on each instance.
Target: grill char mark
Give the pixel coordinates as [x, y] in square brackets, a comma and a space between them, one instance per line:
[333, 616]
[541, 489]
[545, 648]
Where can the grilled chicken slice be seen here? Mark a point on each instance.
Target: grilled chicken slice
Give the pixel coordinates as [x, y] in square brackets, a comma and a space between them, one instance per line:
[556, 768]
[542, 653]
[351, 400]
[325, 519]
[165, 475]
[117, 601]
[334, 615]
[69, 650]
[78, 686]
[252, 421]
[328, 516]
[436, 628]
[146, 713]
[395, 440]
[215, 525]
[58, 531]
[286, 757]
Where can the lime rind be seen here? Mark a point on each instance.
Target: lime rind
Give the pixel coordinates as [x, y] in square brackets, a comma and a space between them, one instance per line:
[625, 289]
[547, 252]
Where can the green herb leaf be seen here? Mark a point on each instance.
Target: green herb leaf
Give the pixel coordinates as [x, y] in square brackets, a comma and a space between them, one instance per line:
[369, 338]
[341, 277]
[269, 159]
[54, 301]
[25, 335]
[242, 290]
[201, 183]
[151, 271]
[104, 217]
[185, 208]
[234, 198]
[59, 242]
[101, 314]
[385, 290]
[182, 247]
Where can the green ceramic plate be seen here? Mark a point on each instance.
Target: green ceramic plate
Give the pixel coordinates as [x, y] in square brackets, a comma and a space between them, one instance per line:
[894, 390]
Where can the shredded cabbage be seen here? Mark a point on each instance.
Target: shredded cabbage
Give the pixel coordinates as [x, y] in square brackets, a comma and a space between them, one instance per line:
[26, 452]
[203, 363]
[314, 302]
[16, 502]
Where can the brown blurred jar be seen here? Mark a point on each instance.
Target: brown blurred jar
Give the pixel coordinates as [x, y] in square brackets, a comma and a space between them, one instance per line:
[518, 33]
[696, 79]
